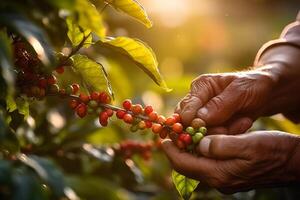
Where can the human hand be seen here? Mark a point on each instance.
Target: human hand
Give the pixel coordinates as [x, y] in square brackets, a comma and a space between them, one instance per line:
[241, 162]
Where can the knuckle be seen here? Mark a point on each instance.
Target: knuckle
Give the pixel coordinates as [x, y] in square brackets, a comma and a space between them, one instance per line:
[217, 103]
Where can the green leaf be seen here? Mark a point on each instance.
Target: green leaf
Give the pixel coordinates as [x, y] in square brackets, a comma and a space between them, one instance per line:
[33, 34]
[138, 52]
[6, 69]
[76, 34]
[132, 8]
[185, 186]
[92, 73]
[89, 18]
[19, 104]
[47, 171]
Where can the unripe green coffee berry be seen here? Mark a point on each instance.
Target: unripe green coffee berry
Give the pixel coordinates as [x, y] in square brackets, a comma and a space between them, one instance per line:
[134, 128]
[190, 130]
[197, 137]
[69, 90]
[203, 130]
[93, 104]
[90, 110]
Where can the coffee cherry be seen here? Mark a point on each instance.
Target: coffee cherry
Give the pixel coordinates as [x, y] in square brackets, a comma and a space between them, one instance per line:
[128, 118]
[76, 88]
[148, 110]
[190, 130]
[120, 114]
[69, 89]
[197, 123]
[42, 93]
[84, 98]
[134, 128]
[81, 110]
[197, 137]
[176, 117]
[187, 139]
[93, 104]
[153, 116]
[90, 110]
[43, 83]
[164, 133]
[51, 80]
[136, 109]
[142, 125]
[103, 118]
[35, 91]
[73, 103]
[109, 112]
[60, 70]
[203, 130]
[53, 89]
[95, 96]
[127, 104]
[148, 124]
[161, 119]
[104, 98]
[170, 121]
[157, 128]
[173, 136]
[177, 127]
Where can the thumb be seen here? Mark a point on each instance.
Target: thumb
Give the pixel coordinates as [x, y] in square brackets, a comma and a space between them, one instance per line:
[221, 107]
[223, 147]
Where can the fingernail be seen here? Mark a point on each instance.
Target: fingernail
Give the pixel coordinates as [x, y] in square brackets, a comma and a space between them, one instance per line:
[202, 112]
[204, 146]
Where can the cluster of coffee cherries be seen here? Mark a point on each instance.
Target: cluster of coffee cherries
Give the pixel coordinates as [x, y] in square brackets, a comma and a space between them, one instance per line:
[32, 80]
[128, 148]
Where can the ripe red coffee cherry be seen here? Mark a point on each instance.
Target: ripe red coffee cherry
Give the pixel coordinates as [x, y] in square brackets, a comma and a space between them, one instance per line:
[157, 128]
[128, 118]
[170, 121]
[84, 98]
[81, 110]
[127, 104]
[109, 112]
[187, 139]
[164, 133]
[120, 114]
[153, 116]
[76, 88]
[51, 80]
[161, 119]
[103, 118]
[177, 127]
[62, 92]
[73, 103]
[43, 82]
[148, 124]
[136, 109]
[95, 96]
[197, 123]
[104, 98]
[148, 110]
[177, 117]
[60, 70]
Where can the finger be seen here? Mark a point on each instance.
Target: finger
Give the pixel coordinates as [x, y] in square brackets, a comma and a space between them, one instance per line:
[224, 147]
[220, 108]
[218, 130]
[188, 107]
[240, 125]
[187, 164]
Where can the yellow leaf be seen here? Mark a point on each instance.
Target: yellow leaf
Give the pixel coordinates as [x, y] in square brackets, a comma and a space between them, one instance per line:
[89, 17]
[140, 53]
[132, 8]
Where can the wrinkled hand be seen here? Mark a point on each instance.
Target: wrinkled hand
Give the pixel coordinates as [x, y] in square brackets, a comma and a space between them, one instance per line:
[242, 162]
[227, 102]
